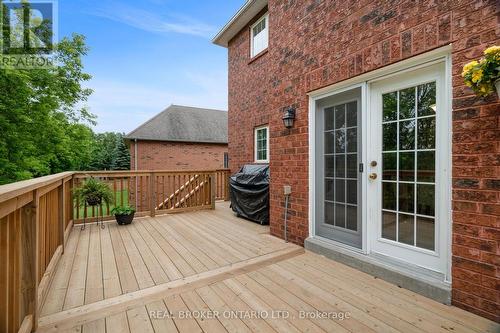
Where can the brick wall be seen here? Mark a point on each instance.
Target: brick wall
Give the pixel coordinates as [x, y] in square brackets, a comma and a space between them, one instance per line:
[317, 43]
[161, 155]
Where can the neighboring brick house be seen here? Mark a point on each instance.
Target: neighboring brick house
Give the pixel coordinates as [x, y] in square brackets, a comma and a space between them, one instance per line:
[180, 138]
[394, 163]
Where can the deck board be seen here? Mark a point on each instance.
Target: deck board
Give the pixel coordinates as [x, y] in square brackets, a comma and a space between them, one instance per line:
[101, 264]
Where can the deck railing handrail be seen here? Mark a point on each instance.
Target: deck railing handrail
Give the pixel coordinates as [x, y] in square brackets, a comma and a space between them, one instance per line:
[37, 215]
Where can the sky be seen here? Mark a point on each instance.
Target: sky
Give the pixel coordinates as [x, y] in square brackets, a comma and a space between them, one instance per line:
[145, 55]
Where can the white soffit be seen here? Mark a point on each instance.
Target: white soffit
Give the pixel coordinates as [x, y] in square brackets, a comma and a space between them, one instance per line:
[247, 12]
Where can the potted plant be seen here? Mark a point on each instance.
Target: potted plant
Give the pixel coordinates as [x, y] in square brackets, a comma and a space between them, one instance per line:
[123, 214]
[93, 193]
[483, 75]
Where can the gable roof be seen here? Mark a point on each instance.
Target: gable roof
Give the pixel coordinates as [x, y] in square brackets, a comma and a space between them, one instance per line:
[184, 123]
[247, 12]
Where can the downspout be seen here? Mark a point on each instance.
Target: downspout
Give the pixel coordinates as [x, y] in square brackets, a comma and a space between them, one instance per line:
[135, 167]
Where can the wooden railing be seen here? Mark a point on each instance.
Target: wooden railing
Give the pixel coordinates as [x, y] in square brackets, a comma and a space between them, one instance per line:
[156, 192]
[222, 184]
[37, 215]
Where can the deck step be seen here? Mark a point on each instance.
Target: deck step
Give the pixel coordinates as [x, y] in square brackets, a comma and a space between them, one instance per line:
[91, 312]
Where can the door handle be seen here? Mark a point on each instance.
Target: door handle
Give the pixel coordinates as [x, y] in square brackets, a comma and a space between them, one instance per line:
[372, 176]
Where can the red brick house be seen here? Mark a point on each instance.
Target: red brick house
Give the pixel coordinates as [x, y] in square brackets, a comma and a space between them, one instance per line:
[393, 162]
[180, 138]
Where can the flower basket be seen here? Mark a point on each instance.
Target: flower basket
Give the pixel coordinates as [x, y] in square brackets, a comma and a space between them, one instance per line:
[483, 76]
[123, 219]
[123, 214]
[93, 192]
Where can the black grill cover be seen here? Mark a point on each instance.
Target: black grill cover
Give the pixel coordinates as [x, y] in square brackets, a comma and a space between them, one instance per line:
[249, 192]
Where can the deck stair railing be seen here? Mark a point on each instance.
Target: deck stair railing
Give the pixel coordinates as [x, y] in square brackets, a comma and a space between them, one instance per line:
[191, 193]
[179, 193]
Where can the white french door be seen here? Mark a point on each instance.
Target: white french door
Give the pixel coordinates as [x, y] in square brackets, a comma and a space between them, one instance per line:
[407, 172]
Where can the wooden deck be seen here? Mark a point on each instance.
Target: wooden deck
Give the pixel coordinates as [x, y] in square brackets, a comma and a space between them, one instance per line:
[209, 271]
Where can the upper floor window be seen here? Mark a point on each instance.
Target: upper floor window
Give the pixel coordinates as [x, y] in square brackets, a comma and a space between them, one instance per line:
[262, 144]
[259, 35]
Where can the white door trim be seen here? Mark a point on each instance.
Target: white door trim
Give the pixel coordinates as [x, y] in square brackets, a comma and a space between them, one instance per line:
[423, 60]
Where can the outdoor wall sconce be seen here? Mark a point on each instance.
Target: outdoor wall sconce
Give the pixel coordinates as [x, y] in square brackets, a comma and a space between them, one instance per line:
[289, 117]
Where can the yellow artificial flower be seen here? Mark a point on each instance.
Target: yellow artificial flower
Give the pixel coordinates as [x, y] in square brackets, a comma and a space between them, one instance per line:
[468, 84]
[492, 50]
[469, 66]
[477, 75]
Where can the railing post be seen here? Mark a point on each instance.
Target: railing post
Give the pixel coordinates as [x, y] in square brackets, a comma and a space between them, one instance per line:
[62, 214]
[35, 218]
[71, 200]
[227, 174]
[28, 257]
[152, 195]
[212, 190]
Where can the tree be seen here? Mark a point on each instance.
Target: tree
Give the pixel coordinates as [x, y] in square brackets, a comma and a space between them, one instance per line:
[121, 155]
[43, 129]
[102, 151]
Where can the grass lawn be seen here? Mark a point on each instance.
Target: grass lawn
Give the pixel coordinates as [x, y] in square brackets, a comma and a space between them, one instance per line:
[118, 196]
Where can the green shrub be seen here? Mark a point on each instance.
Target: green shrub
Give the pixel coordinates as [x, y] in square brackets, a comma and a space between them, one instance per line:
[123, 210]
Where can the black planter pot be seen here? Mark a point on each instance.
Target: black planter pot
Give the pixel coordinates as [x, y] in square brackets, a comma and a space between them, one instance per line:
[124, 219]
[94, 201]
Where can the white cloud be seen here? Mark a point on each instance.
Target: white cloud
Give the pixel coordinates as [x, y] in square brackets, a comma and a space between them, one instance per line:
[122, 106]
[153, 22]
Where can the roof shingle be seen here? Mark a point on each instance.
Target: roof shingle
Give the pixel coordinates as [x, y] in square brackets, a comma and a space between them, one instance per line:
[186, 124]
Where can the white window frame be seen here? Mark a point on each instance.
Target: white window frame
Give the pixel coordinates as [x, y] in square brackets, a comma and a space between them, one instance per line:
[266, 127]
[265, 31]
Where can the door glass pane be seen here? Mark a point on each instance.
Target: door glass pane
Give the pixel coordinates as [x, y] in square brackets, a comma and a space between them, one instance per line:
[426, 168]
[341, 166]
[352, 114]
[389, 166]
[406, 197]
[352, 191]
[389, 195]
[329, 166]
[426, 99]
[426, 133]
[329, 142]
[352, 140]
[390, 136]
[405, 228]
[329, 213]
[340, 190]
[340, 215]
[352, 217]
[408, 165]
[352, 166]
[425, 233]
[340, 141]
[407, 135]
[425, 199]
[329, 118]
[340, 116]
[389, 222]
[329, 190]
[407, 103]
[390, 106]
